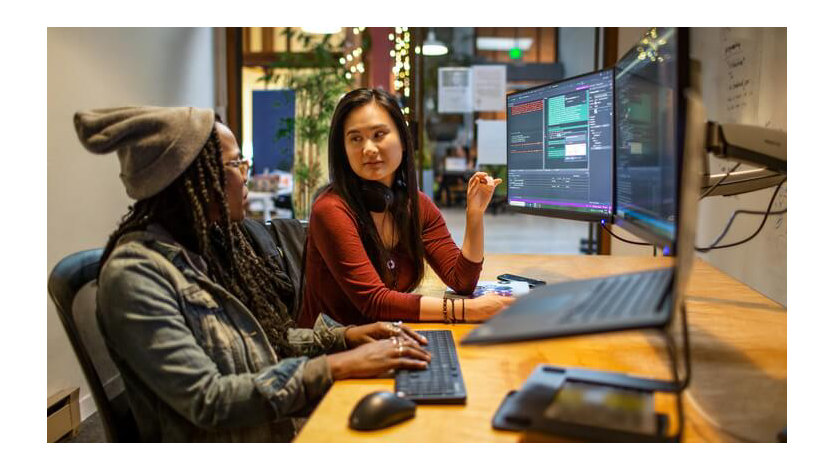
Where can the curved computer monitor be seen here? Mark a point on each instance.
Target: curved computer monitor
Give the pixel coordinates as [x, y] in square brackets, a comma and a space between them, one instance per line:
[649, 85]
[560, 148]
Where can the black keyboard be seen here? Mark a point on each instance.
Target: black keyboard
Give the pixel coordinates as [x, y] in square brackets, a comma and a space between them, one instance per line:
[442, 381]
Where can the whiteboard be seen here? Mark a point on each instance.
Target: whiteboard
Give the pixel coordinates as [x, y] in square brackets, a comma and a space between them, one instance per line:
[492, 142]
[744, 80]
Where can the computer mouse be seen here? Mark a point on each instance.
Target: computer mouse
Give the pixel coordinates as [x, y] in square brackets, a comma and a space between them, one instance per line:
[379, 410]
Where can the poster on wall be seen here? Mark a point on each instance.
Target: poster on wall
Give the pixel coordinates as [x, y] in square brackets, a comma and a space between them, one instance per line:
[492, 142]
[454, 90]
[489, 87]
[270, 111]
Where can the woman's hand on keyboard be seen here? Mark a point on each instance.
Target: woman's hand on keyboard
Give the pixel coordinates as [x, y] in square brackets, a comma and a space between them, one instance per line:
[377, 358]
[358, 335]
[481, 308]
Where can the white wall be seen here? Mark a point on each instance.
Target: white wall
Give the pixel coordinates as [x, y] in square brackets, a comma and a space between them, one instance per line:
[103, 67]
[762, 262]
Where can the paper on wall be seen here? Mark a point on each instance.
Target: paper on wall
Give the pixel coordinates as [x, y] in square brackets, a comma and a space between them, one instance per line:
[489, 87]
[492, 142]
[454, 90]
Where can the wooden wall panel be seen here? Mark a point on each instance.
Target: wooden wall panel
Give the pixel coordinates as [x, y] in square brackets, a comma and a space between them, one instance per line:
[247, 34]
[267, 39]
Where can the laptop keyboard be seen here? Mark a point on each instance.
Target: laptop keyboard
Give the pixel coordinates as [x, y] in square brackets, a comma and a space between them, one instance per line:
[617, 296]
[613, 303]
[442, 381]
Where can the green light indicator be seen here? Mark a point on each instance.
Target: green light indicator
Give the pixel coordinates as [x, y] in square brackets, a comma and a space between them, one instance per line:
[515, 53]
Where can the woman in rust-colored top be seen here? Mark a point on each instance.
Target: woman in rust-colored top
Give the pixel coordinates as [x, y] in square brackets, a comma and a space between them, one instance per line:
[371, 229]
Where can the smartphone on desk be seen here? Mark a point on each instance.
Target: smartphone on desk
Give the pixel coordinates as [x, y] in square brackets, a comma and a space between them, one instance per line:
[513, 277]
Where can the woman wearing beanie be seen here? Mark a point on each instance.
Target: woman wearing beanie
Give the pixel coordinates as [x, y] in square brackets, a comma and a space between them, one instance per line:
[196, 322]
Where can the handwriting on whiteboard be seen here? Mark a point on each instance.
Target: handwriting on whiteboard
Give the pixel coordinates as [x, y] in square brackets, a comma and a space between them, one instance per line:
[741, 68]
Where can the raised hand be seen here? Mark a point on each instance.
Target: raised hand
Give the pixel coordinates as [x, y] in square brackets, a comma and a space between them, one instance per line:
[479, 192]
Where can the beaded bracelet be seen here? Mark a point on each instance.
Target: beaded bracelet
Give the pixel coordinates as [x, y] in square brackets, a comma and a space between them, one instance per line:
[463, 310]
[445, 314]
[453, 312]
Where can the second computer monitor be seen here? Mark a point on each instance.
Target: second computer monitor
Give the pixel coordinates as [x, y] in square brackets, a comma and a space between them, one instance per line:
[560, 148]
[649, 84]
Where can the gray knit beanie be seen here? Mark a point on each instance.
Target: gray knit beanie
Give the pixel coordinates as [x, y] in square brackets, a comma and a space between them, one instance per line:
[154, 144]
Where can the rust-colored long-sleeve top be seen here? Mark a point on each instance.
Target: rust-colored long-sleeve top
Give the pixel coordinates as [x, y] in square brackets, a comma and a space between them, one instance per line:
[341, 281]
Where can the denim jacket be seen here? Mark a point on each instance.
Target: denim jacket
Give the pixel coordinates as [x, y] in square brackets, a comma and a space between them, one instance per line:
[196, 363]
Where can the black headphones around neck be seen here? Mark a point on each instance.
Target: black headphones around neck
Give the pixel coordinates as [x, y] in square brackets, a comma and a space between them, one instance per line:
[378, 197]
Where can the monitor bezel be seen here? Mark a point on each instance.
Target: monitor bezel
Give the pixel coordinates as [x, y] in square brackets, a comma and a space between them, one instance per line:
[563, 213]
[680, 134]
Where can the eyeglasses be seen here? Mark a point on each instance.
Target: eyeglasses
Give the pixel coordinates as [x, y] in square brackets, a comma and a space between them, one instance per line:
[243, 166]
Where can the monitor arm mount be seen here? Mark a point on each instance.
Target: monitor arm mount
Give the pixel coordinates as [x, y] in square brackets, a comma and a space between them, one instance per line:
[754, 145]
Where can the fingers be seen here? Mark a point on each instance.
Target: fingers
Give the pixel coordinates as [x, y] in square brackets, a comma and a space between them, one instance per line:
[417, 337]
[408, 348]
[473, 181]
[408, 340]
[506, 300]
[413, 353]
[478, 176]
[392, 329]
[499, 301]
[405, 363]
[416, 352]
[483, 178]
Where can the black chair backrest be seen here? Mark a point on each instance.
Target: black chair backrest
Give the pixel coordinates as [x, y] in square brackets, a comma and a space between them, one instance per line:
[68, 277]
[285, 240]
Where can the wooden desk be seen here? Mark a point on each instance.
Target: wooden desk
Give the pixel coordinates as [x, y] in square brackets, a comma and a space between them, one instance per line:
[738, 341]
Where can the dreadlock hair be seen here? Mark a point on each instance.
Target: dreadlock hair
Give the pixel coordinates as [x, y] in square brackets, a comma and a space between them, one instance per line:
[193, 209]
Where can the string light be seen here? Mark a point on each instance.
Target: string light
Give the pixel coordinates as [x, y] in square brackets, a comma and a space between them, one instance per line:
[400, 48]
[651, 47]
[353, 59]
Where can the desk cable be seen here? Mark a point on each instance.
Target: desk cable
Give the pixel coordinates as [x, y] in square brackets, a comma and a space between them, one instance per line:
[715, 244]
[602, 222]
[712, 188]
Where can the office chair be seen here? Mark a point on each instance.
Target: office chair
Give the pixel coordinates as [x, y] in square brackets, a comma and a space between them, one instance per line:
[68, 277]
[284, 240]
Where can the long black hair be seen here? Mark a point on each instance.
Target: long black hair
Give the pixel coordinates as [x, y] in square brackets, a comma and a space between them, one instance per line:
[184, 209]
[348, 185]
